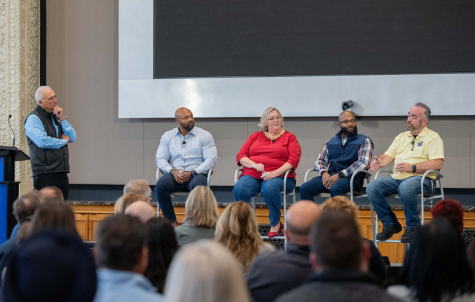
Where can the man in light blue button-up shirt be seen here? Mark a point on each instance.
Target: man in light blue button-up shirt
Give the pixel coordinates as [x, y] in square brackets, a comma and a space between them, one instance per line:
[48, 134]
[185, 155]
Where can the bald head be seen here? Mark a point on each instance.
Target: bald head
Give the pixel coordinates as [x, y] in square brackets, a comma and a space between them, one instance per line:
[184, 119]
[346, 115]
[300, 217]
[181, 112]
[141, 209]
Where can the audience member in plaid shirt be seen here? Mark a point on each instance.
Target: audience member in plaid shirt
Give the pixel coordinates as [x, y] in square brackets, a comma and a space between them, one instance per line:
[343, 154]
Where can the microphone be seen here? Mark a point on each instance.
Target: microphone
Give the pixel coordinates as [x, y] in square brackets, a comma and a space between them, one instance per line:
[9, 117]
[184, 143]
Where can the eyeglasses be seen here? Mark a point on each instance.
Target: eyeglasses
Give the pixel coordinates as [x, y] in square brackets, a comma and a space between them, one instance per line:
[275, 118]
[346, 122]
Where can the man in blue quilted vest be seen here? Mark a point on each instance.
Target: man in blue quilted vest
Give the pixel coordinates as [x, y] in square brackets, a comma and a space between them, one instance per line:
[343, 154]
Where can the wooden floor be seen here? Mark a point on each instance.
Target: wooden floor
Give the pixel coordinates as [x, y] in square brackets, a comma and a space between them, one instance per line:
[89, 216]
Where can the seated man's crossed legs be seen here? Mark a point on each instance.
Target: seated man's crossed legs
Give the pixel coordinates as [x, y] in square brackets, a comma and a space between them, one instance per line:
[315, 186]
[167, 184]
[407, 189]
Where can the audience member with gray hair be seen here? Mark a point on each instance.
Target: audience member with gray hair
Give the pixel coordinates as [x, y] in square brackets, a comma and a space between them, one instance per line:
[140, 187]
[274, 273]
[340, 260]
[205, 271]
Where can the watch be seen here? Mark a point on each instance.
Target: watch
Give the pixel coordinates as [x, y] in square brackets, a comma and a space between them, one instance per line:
[414, 168]
[341, 174]
[193, 173]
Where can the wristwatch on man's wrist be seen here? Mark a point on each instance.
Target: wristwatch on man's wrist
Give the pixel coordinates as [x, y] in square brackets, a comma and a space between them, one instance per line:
[341, 174]
[193, 173]
[414, 168]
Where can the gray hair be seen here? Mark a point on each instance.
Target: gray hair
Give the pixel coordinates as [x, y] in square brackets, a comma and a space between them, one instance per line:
[39, 93]
[223, 280]
[265, 118]
[426, 109]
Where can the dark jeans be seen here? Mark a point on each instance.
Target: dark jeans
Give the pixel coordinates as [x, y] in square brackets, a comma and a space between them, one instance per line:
[315, 186]
[167, 184]
[59, 180]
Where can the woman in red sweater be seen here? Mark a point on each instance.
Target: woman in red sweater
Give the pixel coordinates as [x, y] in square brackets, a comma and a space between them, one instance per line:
[265, 157]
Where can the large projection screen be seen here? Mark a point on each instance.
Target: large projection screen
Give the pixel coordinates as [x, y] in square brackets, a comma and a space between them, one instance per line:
[143, 96]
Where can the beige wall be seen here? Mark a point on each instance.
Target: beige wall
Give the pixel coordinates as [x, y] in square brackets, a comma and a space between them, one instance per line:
[82, 60]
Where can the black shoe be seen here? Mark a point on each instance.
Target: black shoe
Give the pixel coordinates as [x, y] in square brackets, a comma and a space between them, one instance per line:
[388, 232]
[406, 238]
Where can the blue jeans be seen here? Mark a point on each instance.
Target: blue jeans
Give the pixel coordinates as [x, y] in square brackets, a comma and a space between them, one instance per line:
[167, 184]
[315, 186]
[407, 189]
[248, 186]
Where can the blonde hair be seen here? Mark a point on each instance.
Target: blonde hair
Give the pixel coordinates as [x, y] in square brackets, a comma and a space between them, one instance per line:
[201, 208]
[265, 118]
[341, 203]
[205, 272]
[138, 186]
[124, 201]
[238, 231]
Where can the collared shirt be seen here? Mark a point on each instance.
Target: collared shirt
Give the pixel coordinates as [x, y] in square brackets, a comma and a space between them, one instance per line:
[35, 130]
[118, 286]
[196, 151]
[363, 162]
[426, 146]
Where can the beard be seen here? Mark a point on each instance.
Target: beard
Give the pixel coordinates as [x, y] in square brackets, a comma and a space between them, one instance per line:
[188, 126]
[347, 133]
[412, 127]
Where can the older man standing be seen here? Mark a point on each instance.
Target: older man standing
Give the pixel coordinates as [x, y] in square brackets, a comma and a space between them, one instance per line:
[48, 134]
[343, 154]
[185, 155]
[416, 151]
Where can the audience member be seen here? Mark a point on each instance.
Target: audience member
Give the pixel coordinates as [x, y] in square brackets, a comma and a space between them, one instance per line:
[55, 214]
[141, 209]
[436, 267]
[23, 209]
[162, 246]
[238, 231]
[376, 263]
[124, 201]
[274, 273]
[451, 210]
[140, 187]
[340, 260]
[201, 215]
[471, 256]
[52, 192]
[205, 272]
[50, 266]
[122, 255]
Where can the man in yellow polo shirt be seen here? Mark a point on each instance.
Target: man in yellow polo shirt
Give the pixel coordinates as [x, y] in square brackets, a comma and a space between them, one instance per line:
[415, 151]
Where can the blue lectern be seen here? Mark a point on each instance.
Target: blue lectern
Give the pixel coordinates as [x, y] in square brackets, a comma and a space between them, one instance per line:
[9, 188]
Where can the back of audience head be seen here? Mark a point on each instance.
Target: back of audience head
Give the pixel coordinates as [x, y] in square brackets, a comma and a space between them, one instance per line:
[436, 265]
[162, 246]
[205, 272]
[126, 200]
[238, 231]
[336, 243]
[50, 266]
[122, 244]
[201, 208]
[52, 192]
[55, 214]
[341, 203]
[300, 218]
[23, 209]
[451, 210]
[141, 209]
[140, 187]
